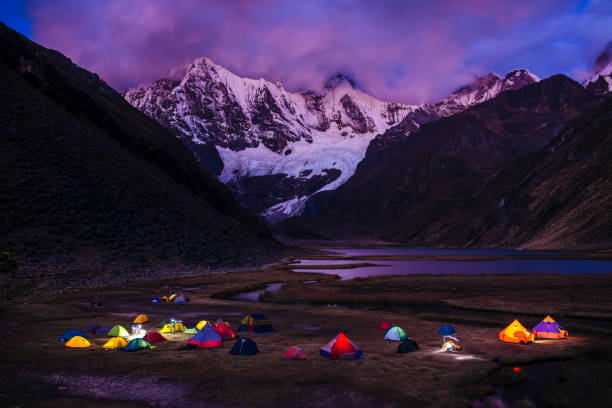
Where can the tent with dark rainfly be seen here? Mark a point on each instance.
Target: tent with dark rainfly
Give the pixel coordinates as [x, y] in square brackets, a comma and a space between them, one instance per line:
[407, 346]
[206, 338]
[115, 343]
[341, 348]
[90, 328]
[70, 334]
[255, 323]
[447, 330]
[396, 333]
[224, 330]
[102, 330]
[549, 329]
[516, 333]
[137, 344]
[295, 353]
[244, 347]
[154, 337]
[118, 331]
[78, 342]
[384, 326]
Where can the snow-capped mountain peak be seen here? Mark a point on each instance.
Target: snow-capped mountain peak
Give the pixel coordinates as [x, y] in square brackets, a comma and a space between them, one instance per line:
[601, 80]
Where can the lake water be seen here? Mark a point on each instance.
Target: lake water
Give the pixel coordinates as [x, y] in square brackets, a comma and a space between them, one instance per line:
[437, 267]
[254, 296]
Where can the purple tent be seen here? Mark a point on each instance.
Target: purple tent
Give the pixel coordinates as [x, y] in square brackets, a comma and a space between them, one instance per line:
[91, 328]
[549, 329]
[102, 330]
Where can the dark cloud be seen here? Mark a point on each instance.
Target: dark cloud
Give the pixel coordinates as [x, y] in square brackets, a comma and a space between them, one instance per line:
[409, 51]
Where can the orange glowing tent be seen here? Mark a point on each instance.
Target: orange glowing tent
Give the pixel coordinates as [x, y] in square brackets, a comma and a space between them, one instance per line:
[140, 319]
[516, 333]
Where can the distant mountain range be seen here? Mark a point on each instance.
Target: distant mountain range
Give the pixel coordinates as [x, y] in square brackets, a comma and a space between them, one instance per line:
[89, 180]
[275, 148]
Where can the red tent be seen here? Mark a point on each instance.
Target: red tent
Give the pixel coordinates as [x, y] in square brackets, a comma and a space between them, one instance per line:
[341, 348]
[385, 325]
[224, 331]
[294, 353]
[154, 337]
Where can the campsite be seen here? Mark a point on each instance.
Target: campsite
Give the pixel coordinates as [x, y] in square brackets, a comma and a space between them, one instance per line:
[477, 308]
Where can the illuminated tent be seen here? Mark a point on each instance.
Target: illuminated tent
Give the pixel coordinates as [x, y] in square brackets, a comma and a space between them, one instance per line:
[91, 328]
[407, 346]
[341, 348]
[206, 338]
[118, 331]
[115, 343]
[224, 330]
[516, 333]
[255, 323]
[191, 330]
[164, 298]
[171, 297]
[78, 342]
[140, 319]
[450, 345]
[447, 330]
[154, 337]
[137, 344]
[155, 299]
[396, 333]
[549, 329]
[102, 330]
[294, 353]
[244, 347]
[178, 327]
[164, 322]
[201, 324]
[70, 334]
[384, 326]
[179, 299]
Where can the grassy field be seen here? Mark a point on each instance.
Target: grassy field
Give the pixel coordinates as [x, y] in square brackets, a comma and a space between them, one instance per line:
[39, 371]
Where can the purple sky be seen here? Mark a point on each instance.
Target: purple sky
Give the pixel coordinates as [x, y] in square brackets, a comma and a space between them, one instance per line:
[408, 51]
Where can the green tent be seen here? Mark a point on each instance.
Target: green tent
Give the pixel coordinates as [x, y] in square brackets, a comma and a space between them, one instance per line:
[137, 344]
[192, 330]
[396, 333]
[118, 331]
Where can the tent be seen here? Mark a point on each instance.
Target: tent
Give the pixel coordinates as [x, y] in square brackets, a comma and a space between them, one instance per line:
[154, 337]
[140, 319]
[221, 321]
[155, 299]
[450, 345]
[90, 328]
[164, 322]
[70, 334]
[201, 324]
[115, 343]
[407, 346]
[206, 338]
[164, 298]
[341, 348]
[294, 353]
[78, 342]
[516, 333]
[171, 297]
[224, 330]
[179, 299]
[396, 333]
[178, 327]
[549, 329]
[244, 347]
[384, 326]
[191, 330]
[255, 323]
[102, 330]
[118, 331]
[137, 344]
[447, 330]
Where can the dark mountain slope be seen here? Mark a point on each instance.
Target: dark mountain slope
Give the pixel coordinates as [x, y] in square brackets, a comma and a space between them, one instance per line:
[88, 178]
[442, 185]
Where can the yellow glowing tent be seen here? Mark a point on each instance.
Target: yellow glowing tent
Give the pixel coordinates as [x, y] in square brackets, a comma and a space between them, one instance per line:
[178, 327]
[141, 319]
[201, 324]
[78, 342]
[516, 333]
[115, 343]
[171, 297]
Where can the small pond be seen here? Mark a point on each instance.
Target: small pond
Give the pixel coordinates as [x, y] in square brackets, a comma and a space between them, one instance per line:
[254, 296]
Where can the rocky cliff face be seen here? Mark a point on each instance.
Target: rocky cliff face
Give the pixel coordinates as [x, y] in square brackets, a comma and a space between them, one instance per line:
[275, 148]
[601, 81]
[471, 179]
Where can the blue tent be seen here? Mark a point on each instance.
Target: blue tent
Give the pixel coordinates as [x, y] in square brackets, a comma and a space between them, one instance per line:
[70, 334]
[155, 299]
[447, 330]
[244, 347]
[102, 330]
[207, 337]
[137, 344]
